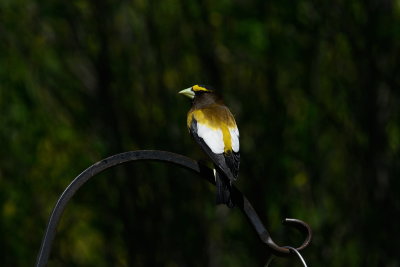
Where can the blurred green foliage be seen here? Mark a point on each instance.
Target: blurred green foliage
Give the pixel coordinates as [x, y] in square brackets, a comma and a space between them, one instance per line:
[314, 86]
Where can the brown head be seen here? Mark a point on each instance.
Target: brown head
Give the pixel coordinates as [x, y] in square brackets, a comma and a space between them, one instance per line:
[201, 96]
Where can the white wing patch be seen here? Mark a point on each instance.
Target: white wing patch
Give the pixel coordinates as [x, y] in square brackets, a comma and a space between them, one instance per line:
[212, 137]
[235, 139]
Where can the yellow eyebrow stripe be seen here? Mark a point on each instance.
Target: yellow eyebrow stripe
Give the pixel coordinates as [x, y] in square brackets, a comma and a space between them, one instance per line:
[197, 88]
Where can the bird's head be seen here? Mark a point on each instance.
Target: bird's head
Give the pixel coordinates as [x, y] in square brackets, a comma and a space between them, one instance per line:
[196, 90]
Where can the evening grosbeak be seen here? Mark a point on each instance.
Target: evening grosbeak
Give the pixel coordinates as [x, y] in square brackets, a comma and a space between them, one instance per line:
[213, 127]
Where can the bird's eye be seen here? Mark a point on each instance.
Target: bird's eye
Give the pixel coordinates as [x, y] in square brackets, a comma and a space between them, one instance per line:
[200, 92]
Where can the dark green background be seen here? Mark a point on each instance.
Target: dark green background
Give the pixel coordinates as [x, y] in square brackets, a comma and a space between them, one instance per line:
[314, 86]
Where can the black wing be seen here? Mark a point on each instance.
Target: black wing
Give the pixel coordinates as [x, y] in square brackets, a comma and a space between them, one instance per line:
[228, 165]
[232, 159]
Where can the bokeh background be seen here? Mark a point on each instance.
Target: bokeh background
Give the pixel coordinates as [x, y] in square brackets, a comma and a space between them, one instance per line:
[314, 86]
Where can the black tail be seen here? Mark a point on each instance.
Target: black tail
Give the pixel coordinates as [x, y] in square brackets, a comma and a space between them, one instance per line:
[223, 190]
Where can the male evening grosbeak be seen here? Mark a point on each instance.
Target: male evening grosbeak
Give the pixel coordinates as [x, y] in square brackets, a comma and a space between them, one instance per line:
[214, 128]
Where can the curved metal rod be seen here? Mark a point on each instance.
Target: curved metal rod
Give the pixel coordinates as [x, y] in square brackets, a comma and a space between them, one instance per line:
[298, 255]
[239, 199]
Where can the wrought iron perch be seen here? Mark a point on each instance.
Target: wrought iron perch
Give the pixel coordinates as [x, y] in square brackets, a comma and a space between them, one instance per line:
[155, 155]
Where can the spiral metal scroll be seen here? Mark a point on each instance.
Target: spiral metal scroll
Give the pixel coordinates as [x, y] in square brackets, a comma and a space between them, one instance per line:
[155, 155]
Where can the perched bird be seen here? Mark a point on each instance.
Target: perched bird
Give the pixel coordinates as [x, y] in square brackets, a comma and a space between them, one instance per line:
[214, 128]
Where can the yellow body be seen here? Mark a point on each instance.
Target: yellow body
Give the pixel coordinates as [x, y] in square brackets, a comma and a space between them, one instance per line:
[215, 117]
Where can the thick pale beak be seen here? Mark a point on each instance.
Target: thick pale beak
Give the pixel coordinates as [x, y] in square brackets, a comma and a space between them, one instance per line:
[187, 92]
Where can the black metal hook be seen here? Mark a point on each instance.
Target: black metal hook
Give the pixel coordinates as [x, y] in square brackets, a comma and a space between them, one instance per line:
[240, 200]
